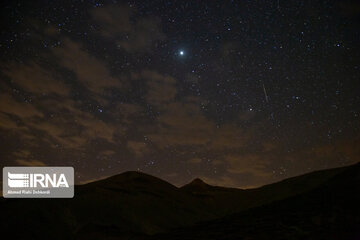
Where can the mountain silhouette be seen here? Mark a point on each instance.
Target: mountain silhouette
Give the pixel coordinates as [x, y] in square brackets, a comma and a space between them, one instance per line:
[329, 211]
[196, 184]
[135, 205]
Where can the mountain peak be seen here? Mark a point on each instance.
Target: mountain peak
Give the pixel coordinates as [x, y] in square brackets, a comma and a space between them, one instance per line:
[134, 179]
[131, 175]
[197, 182]
[196, 185]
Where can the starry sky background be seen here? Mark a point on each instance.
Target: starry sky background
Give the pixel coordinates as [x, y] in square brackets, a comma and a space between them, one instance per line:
[265, 90]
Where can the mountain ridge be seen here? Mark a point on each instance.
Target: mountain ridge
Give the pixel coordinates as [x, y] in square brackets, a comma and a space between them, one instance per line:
[138, 205]
[329, 211]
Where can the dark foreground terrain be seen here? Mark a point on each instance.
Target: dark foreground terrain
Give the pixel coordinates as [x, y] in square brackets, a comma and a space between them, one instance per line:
[133, 205]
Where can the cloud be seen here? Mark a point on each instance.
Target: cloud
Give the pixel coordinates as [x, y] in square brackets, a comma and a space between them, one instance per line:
[90, 71]
[247, 163]
[230, 136]
[108, 153]
[69, 125]
[51, 117]
[127, 112]
[161, 88]
[130, 33]
[94, 128]
[269, 146]
[30, 163]
[35, 79]
[246, 115]
[6, 122]
[239, 170]
[184, 124]
[23, 110]
[74, 129]
[192, 78]
[194, 160]
[22, 154]
[181, 122]
[341, 152]
[140, 149]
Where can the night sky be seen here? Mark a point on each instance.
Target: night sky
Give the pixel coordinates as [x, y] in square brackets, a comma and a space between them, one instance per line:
[238, 93]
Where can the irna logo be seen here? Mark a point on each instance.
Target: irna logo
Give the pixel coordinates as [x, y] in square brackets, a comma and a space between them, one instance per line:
[19, 180]
[38, 182]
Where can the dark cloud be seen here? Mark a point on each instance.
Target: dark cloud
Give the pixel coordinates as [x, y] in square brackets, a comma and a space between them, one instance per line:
[89, 71]
[161, 88]
[23, 110]
[139, 149]
[45, 82]
[127, 31]
[30, 163]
